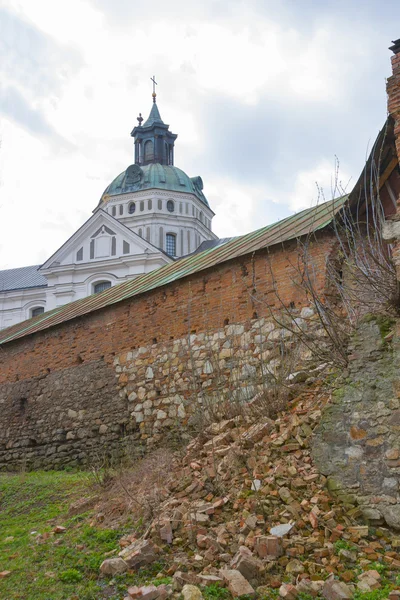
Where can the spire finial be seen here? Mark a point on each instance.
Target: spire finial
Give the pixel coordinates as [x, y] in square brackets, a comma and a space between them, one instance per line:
[153, 79]
[140, 119]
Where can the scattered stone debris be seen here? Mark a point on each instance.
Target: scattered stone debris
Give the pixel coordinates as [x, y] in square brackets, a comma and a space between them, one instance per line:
[246, 509]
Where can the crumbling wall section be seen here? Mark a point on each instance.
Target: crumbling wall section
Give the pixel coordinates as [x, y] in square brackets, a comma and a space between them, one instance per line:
[357, 443]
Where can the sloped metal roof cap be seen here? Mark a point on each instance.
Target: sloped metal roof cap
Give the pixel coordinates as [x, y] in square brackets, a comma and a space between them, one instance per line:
[21, 278]
[295, 226]
[154, 116]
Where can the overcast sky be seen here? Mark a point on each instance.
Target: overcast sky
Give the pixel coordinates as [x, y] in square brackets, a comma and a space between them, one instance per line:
[263, 95]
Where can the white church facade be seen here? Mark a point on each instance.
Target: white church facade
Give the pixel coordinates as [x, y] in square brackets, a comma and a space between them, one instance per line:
[150, 215]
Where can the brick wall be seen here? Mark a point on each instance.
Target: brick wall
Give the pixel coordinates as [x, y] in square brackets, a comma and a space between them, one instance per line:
[393, 91]
[62, 392]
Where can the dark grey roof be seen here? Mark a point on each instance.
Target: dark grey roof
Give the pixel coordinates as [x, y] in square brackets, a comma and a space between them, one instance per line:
[207, 244]
[22, 278]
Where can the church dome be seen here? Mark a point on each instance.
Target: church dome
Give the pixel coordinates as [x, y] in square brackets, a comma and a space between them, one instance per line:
[154, 175]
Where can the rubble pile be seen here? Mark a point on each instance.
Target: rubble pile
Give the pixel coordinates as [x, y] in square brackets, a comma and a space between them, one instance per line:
[246, 509]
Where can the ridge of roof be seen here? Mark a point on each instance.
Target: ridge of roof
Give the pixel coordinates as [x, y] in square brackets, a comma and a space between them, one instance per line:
[306, 222]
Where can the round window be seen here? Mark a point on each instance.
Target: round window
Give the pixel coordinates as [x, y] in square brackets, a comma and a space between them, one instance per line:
[170, 206]
[131, 208]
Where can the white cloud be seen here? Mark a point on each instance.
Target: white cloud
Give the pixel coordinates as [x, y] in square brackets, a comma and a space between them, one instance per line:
[318, 184]
[240, 53]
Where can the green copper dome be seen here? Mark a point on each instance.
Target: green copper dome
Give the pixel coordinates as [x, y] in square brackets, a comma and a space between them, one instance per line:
[151, 176]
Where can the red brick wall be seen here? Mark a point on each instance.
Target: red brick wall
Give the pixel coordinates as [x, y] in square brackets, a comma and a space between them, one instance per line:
[233, 292]
[393, 91]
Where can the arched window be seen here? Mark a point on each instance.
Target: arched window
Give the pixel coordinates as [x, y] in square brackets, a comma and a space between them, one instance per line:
[114, 211]
[149, 150]
[166, 154]
[100, 286]
[121, 209]
[159, 204]
[170, 206]
[131, 208]
[141, 206]
[37, 310]
[170, 244]
[150, 204]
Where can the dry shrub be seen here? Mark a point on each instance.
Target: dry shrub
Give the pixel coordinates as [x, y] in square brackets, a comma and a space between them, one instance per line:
[135, 492]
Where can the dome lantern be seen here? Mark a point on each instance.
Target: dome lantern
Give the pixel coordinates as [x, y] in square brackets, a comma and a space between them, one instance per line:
[154, 143]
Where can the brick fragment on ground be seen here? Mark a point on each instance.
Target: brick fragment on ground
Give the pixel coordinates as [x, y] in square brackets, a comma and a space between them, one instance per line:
[113, 566]
[336, 590]
[59, 529]
[288, 591]
[145, 592]
[237, 584]
[191, 592]
[248, 565]
[268, 546]
[138, 554]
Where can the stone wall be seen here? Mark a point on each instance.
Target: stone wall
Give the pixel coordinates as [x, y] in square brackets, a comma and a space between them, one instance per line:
[92, 411]
[62, 418]
[124, 374]
[357, 443]
[193, 378]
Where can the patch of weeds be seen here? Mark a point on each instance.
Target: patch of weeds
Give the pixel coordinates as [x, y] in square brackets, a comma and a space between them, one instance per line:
[162, 581]
[344, 545]
[71, 576]
[215, 592]
[305, 596]
[246, 494]
[148, 574]
[273, 594]
[373, 595]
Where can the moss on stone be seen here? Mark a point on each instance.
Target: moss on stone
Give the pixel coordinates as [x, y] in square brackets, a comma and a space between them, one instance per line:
[384, 322]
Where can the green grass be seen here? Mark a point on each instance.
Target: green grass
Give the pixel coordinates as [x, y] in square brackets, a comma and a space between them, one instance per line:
[379, 594]
[344, 545]
[216, 592]
[63, 566]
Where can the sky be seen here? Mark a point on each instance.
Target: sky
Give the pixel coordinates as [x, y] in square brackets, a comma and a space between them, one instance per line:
[266, 97]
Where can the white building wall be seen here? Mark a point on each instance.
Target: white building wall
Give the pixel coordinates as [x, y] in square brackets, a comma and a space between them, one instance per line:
[17, 305]
[189, 215]
[74, 277]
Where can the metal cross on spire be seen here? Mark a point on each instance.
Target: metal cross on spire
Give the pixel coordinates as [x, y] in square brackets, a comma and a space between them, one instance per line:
[153, 79]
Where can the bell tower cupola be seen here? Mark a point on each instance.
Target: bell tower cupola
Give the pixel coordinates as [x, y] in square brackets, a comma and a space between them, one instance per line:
[154, 143]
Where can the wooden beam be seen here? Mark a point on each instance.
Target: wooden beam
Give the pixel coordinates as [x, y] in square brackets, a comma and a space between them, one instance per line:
[387, 172]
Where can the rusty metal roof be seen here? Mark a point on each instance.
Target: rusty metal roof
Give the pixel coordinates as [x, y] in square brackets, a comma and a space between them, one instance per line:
[295, 226]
